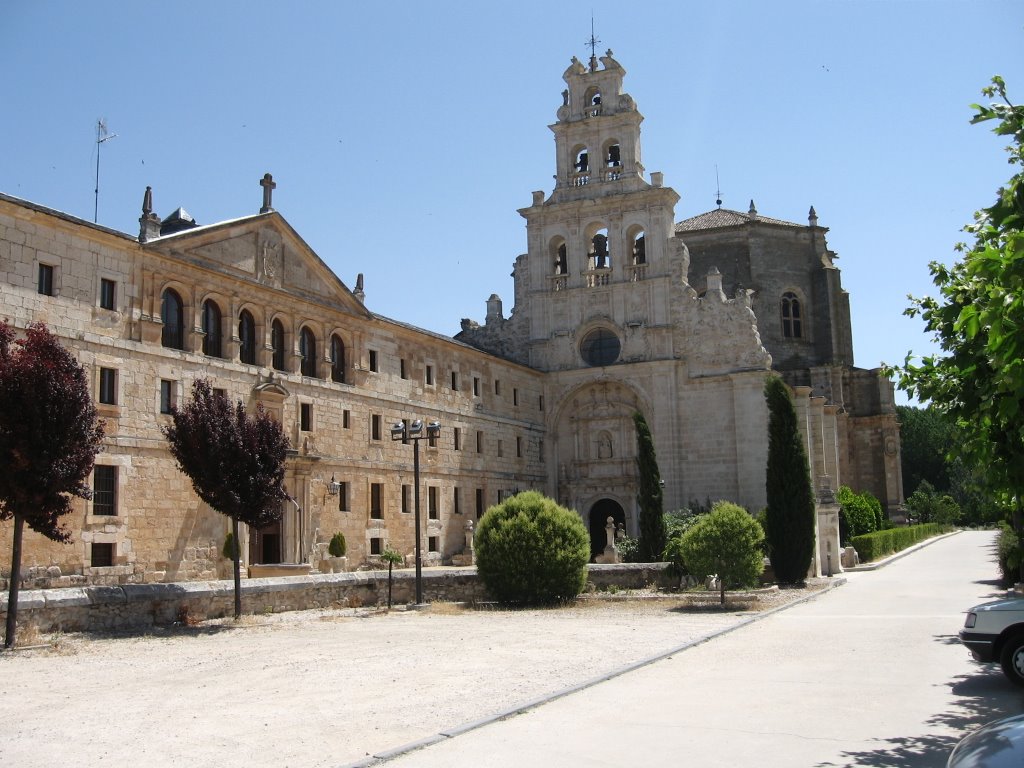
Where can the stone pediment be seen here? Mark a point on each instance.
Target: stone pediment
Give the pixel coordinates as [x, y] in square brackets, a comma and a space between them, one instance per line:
[264, 249]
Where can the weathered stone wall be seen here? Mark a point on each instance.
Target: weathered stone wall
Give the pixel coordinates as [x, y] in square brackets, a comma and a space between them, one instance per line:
[137, 606]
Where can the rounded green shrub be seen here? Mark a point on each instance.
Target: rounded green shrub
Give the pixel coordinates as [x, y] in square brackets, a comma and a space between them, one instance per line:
[228, 550]
[727, 542]
[530, 550]
[337, 547]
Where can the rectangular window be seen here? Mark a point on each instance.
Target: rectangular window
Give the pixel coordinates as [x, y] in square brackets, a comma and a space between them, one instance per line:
[479, 503]
[401, 369]
[217, 392]
[433, 543]
[457, 433]
[104, 490]
[101, 555]
[405, 432]
[540, 450]
[455, 382]
[108, 294]
[476, 386]
[479, 442]
[375, 427]
[519, 447]
[306, 417]
[343, 496]
[406, 495]
[540, 403]
[46, 280]
[432, 511]
[346, 419]
[373, 360]
[108, 386]
[168, 396]
[501, 448]
[515, 396]
[376, 493]
[432, 440]
[456, 501]
[429, 375]
[497, 387]
[376, 545]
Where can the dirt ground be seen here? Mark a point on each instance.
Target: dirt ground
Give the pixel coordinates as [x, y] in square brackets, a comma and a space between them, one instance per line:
[320, 688]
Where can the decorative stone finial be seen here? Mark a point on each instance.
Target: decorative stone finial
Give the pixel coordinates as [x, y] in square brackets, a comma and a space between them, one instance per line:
[359, 292]
[753, 210]
[267, 182]
[149, 222]
[812, 217]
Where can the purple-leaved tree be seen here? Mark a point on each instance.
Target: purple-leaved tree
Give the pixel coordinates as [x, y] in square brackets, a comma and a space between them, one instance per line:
[49, 438]
[235, 461]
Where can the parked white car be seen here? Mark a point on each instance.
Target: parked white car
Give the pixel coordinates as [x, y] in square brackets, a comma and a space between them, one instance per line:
[995, 632]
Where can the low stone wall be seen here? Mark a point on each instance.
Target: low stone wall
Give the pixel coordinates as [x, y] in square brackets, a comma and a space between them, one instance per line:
[137, 606]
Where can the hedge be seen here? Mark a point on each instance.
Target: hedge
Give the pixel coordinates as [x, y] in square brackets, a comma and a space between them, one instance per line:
[872, 546]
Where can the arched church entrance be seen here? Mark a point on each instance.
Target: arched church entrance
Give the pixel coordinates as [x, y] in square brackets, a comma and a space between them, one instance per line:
[599, 514]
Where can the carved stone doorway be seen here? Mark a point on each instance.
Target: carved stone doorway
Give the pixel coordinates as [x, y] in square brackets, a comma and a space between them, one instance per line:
[265, 544]
[599, 514]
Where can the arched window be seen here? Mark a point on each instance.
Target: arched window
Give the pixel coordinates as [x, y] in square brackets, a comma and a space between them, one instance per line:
[172, 315]
[560, 257]
[792, 318]
[337, 359]
[277, 344]
[211, 329]
[639, 248]
[612, 159]
[307, 352]
[582, 161]
[600, 255]
[246, 338]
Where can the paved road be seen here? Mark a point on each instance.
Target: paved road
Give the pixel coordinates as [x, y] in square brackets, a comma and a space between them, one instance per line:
[870, 674]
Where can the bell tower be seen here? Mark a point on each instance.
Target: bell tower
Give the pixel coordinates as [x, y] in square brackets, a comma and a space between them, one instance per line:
[595, 281]
[597, 136]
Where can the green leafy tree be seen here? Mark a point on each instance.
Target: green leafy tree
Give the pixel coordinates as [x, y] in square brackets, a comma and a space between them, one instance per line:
[926, 439]
[530, 550]
[977, 321]
[858, 514]
[790, 513]
[726, 542]
[649, 498]
[49, 438]
[235, 461]
[927, 505]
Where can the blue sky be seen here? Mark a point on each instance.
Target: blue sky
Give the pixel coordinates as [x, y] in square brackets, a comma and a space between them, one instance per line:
[404, 136]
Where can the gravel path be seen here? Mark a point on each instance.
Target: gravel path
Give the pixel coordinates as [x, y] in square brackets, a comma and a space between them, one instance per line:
[317, 688]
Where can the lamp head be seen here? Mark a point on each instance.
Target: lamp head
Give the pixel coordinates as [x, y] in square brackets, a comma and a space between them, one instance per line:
[416, 427]
[434, 428]
[398, 431]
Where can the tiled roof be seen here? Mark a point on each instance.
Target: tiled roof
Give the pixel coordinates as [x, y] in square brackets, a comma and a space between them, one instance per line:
[723, 217]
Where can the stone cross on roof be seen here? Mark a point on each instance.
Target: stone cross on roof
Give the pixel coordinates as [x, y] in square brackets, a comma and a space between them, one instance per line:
[268, 184]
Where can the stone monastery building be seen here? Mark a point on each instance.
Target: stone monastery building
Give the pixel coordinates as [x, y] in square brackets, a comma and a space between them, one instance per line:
[618, 308]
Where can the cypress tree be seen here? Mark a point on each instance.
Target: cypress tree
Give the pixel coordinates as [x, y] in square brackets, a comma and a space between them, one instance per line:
[790, 514]
[652, 516]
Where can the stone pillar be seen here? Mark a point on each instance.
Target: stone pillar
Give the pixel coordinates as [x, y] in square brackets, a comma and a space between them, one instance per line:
[827, 552]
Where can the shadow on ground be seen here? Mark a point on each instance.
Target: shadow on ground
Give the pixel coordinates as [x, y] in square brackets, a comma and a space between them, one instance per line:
[981, 698]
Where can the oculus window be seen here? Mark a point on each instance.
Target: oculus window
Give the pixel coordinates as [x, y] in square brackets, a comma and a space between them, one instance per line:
[600, 347]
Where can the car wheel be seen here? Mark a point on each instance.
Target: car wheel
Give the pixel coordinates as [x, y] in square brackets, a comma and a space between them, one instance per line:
[1012, 659]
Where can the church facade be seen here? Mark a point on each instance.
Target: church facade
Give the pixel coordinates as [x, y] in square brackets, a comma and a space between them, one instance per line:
[618, 309]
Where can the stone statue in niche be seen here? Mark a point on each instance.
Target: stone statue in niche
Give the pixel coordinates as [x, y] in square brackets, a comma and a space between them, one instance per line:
[604, 446]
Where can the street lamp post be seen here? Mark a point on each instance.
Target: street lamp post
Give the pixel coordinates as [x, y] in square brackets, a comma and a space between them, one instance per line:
[404, 431]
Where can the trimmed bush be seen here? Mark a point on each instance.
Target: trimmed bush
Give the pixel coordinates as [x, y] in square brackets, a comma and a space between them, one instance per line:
[228, 550]
[1009, 551]
[857, 511]
[530, 550]
[726, 542]
[337, 547]
[872, 546]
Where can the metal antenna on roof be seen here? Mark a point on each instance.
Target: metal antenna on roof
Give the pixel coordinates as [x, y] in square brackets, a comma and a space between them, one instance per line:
[718, 189]
[101, 136]
[592, 42]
